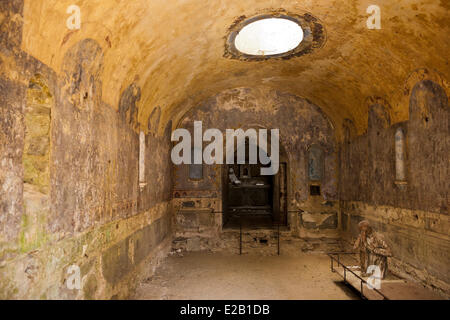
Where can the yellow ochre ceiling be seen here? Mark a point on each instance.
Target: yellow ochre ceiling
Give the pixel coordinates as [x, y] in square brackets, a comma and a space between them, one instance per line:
[174, 50]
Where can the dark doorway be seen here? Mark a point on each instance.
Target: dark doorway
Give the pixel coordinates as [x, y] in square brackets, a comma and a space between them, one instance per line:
[251, 199]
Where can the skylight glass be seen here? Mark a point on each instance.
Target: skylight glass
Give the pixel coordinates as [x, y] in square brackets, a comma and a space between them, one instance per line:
[269, 36]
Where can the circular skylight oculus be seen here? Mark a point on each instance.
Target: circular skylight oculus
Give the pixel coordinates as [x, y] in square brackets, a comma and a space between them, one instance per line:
[269, 36]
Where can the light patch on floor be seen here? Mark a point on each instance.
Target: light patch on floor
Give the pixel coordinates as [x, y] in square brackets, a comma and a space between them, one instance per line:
[206, 275]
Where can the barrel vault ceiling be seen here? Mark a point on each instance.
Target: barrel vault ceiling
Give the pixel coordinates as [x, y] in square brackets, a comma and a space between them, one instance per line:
[174, 50]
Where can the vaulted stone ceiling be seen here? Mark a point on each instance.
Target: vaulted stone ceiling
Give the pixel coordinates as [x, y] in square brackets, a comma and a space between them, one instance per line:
[174, 50]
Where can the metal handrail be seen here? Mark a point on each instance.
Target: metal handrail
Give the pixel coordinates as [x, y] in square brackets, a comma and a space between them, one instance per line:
[240, 234]
[278, 237]
[330, 254]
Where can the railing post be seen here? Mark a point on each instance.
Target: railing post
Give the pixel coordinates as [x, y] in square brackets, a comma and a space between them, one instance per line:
[278, 237]
[240, 235]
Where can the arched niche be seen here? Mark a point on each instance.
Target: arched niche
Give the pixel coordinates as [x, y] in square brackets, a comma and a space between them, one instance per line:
[378, 119]
[128, 105]
[153, 120]
[82, 68]
[400, 149]
[349, 130]
[256, 195]
[428, 105]
[415, 77]
[315, 163]
[36, 153]
[36, 164]
[428, 145]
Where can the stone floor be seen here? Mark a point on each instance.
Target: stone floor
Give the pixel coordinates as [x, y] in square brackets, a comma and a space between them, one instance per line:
[224, 275]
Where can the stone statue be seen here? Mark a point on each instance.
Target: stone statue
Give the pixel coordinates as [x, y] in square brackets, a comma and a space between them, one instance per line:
[233, 178]
[373, 249]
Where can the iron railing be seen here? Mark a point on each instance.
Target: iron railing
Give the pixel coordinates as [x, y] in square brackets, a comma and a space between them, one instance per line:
[240, 235]
[333, 257]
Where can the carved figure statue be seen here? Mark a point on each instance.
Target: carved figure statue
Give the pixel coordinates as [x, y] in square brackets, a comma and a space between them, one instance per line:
[373, 249]
[233, 178]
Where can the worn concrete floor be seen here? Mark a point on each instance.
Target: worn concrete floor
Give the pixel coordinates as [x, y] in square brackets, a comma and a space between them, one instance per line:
[207, 275]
